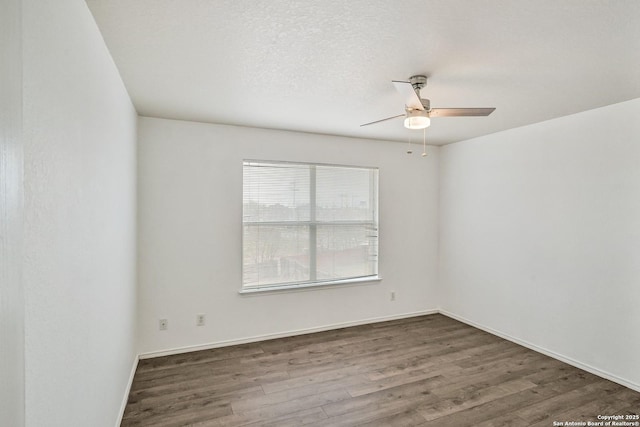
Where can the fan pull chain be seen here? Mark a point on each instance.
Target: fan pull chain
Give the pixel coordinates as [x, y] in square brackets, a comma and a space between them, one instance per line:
[409, 150]
[424, 142]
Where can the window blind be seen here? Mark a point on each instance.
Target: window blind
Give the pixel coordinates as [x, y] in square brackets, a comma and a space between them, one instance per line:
[308, 223]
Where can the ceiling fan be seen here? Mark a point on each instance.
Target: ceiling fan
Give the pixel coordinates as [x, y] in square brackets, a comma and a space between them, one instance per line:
[418, 111]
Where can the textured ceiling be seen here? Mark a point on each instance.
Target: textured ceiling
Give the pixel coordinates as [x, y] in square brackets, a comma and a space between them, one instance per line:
[326, 66]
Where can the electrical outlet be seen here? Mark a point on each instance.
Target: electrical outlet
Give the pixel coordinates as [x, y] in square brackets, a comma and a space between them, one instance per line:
[163, 324]
[200, 319]
[393, 295]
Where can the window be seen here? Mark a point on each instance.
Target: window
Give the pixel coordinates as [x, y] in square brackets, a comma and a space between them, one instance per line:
[306, 224]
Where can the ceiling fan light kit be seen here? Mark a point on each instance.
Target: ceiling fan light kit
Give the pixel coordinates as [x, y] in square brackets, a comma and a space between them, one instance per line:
[417, 119]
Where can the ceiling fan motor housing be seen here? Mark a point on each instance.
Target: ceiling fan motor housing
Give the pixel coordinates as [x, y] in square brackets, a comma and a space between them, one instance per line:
[418, 82]
[426, 105]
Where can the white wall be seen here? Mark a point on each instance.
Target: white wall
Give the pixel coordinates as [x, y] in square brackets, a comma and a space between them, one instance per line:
[79, 237]
[190, 216]
[11, 213]
[540, 236]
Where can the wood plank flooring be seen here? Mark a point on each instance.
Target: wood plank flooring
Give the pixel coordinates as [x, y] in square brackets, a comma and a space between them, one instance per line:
[421, 371]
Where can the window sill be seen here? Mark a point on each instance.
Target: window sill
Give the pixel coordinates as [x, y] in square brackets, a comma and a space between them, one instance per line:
[302, 286]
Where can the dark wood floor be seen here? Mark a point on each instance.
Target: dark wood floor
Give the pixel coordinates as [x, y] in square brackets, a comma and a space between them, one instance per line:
[422, 371]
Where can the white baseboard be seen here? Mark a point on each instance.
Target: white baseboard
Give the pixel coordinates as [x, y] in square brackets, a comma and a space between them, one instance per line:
[127, 390]
[291, 333]
[544, 351]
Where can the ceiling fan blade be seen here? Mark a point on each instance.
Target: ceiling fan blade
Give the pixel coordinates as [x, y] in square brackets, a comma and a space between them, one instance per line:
[383, 120]
[411, 98]
[460, 112]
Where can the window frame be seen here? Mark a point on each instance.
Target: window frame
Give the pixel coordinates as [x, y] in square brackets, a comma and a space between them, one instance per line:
[313, 222]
